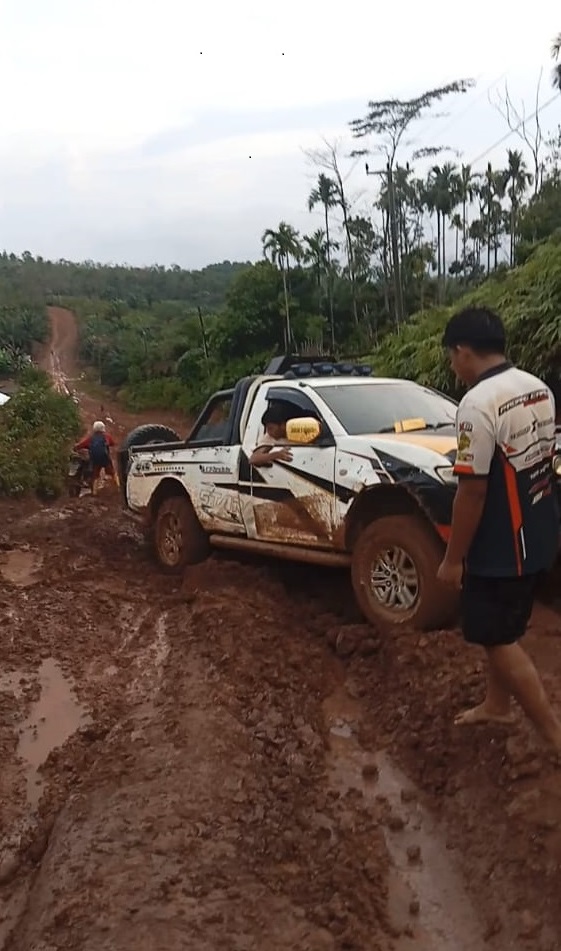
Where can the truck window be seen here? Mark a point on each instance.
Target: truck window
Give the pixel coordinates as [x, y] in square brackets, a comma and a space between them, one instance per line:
[296, 404]
[293, 405]
[369, 408]
[212, 427]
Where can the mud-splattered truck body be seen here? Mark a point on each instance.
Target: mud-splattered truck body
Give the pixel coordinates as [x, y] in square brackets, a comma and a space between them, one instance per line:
[370, 487]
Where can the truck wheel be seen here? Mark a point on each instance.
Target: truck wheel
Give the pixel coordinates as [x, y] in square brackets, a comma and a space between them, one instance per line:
[147, 435]
[179, 539]
[393, 570]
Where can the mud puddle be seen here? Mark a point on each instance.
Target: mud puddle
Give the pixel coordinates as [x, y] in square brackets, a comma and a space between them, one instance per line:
[53, 718]
[20, 567]
[428, 904]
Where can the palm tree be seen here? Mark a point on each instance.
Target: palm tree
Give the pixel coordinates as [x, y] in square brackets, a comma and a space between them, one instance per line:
[466, 191]
[517, 180]
[487, 197]
[444, 186]
[430, 203]
[456, 225]
[556, 53]
[325, 193]
[315, 253]
[478, 234]
[282, 245]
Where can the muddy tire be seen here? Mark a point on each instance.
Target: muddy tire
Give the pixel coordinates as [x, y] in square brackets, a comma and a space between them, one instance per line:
[393, 570]
[147, 435]
[178, 538]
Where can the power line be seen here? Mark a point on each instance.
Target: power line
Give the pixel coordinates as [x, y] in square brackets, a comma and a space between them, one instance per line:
[507, 135]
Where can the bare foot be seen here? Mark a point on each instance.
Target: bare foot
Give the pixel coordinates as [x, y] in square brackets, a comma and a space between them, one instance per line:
[481, 714]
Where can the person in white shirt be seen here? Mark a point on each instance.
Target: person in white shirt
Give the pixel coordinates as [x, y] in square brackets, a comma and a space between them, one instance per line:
[505, 523]
[271, 446]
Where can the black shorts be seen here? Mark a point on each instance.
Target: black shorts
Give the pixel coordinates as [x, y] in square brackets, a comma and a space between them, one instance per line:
[496, 611]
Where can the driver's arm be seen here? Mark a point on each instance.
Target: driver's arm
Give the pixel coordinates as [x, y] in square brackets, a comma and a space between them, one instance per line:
[260, 456]
[265, 455]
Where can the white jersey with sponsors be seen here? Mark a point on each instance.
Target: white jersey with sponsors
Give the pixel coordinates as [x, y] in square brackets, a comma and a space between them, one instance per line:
[506, 433]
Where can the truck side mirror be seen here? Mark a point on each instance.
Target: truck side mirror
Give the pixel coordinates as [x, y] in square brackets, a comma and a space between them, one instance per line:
[303, 431]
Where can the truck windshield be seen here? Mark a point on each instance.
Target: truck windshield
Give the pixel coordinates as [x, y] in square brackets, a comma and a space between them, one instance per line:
[368, 408]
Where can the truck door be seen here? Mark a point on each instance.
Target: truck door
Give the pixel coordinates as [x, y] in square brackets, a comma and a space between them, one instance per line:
[213, 469]
[291, 502]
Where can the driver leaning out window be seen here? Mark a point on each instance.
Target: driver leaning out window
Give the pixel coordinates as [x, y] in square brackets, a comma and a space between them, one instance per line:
[271, 446]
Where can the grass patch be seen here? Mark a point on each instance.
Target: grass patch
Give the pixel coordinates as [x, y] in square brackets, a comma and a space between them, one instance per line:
[37, 429]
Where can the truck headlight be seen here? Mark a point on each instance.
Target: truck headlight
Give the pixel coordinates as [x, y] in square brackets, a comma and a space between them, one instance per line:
[446, 475]
[557, 465]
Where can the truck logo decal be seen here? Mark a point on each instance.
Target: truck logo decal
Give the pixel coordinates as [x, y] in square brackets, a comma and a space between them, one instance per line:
[215, 470]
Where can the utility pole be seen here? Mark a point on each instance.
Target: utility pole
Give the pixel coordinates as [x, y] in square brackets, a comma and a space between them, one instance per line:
[398, 289]
[203, 333]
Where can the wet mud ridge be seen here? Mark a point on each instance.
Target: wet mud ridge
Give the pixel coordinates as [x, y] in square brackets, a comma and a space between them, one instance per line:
[237, 762]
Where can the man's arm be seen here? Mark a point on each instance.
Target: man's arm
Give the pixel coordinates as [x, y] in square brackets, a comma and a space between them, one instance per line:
[466, 515]
[266, 455]
[83, 444]
[476, 448]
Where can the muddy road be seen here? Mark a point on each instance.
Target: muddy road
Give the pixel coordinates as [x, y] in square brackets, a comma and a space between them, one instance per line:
[59, 358]
[235, 761]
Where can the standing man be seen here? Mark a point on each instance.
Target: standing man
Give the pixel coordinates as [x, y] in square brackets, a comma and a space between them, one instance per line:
[505, 522]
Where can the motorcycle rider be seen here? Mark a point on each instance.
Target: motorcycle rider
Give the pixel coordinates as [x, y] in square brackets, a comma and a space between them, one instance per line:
[98, 444]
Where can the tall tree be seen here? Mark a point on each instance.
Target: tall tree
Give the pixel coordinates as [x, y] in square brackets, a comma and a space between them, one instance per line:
[456, 227]
[325, 193]
[388, 120]
[443, 189]
[499, 184]
[282, 245]
[528, 129]
[487, 192]
[328, 159]
[467, 185]
[315, 252]
[387, 123]
[556, 53]
[517, 181]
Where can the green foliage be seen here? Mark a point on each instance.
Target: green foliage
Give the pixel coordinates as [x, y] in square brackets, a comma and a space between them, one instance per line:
[156, 357]
[37, 427]
[136, 287]
[528, 299]
[20, 328]
[542, 216]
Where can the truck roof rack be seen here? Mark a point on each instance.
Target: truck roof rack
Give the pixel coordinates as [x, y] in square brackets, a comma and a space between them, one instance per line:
[292, 367]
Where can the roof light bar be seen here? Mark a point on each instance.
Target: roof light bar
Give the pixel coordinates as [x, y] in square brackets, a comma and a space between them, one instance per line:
[302, 370]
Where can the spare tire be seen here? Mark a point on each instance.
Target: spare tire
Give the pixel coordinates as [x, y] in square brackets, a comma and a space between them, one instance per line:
[150, 434]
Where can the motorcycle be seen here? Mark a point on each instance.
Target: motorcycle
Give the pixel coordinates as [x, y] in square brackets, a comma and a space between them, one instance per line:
[80, 474]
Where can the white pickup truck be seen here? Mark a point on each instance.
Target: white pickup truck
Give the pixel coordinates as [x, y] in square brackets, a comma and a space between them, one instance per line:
[370, 484]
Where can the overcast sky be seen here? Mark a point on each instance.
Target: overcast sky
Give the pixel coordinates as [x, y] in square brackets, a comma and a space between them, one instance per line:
[173, 131]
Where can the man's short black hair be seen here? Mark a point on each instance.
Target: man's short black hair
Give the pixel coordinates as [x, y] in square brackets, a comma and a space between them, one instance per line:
[476, 327]
[275, 413]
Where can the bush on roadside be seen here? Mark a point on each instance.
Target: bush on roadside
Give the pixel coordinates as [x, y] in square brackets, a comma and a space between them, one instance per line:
[527, 298]
[37, 428]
